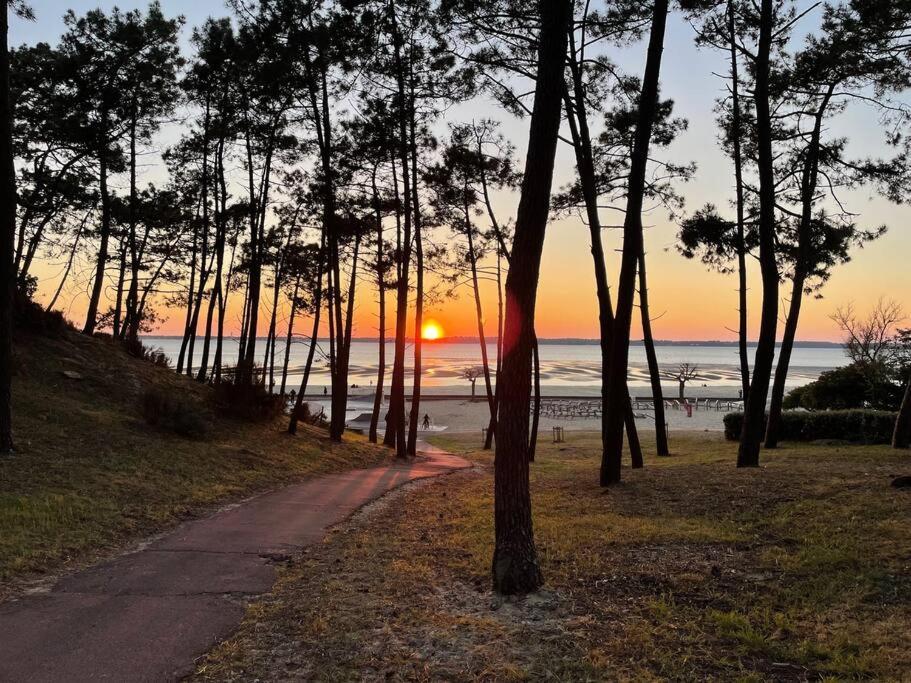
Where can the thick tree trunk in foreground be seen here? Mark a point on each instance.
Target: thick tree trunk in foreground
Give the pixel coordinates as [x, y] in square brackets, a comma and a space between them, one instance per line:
[515, 566]
[7, 230]
[901, 437]
[754, 410]
[617, 392]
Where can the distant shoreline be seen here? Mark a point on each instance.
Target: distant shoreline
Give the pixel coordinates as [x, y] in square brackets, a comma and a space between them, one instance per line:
[569, 341]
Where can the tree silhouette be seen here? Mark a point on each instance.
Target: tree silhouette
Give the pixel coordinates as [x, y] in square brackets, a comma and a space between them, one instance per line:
[461, 182]
[617, 394]
[515, 563]
[472, 374]
[683, 374]
[7, 230]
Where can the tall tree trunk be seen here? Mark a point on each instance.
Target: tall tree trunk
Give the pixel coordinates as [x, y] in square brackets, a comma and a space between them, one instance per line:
[514, 566]
[582, 146]
[654, 371]
[419, 285]
[617, 392]
[754, 410]
[479, 313]
[242, 339]
[132, 315]
[492, 425]
[330, 314]
[801, 267]
[219, 255]
[736, 135]
[340, 407]
[207, 335]
[204, 269]
[381, 293]
[395, 418]
[223, 285]
[246, 361]
[289, 337]
[118, 297]
[314, 336]
[338, 348]
[91, 316]
[219, 337]
[415, 408]
[188, 331]
[773, 426]
[7, 237]
[269, 359]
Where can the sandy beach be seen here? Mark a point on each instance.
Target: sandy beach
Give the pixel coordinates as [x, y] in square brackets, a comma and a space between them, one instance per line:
[451, 410]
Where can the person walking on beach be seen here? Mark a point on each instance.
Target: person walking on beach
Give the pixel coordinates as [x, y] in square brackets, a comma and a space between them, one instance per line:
[426, 422]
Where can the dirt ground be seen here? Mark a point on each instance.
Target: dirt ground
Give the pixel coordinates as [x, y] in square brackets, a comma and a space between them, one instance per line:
[689, 570]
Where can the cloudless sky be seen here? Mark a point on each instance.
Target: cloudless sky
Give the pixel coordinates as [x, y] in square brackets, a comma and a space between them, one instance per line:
[687, 301]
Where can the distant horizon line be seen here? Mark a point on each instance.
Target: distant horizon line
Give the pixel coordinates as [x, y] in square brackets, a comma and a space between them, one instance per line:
[578, 341]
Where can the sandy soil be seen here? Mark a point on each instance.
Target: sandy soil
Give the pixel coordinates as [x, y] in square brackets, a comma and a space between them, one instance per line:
[449, 408]
[468, 416]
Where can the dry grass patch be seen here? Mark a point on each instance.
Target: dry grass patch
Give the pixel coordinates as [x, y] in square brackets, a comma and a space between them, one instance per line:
[690, 569]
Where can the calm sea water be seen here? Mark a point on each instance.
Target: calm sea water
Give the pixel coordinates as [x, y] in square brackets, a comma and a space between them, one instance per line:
[564, 367]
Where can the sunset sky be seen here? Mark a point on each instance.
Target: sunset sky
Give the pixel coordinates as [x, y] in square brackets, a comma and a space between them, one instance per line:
[687, 301]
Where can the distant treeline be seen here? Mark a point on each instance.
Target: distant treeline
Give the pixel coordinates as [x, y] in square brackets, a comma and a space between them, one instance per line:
[581, 341]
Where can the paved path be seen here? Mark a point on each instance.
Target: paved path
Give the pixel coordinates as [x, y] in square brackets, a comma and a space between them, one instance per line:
[148, 615]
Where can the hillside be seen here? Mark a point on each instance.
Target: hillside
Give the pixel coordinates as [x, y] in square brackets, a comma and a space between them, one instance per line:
[91, 475]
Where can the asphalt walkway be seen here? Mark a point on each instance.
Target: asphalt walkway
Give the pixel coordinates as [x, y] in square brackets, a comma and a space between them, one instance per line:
[147, 615]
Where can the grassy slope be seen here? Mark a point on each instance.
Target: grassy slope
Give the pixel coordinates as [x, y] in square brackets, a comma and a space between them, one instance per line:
[689, 570]
[90, 475]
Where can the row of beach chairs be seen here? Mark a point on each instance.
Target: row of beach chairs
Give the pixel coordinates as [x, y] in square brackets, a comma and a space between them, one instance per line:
[575, 409]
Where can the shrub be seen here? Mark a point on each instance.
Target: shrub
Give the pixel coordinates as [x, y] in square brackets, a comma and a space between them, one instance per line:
[798, 397]
[153, 355]
[306, 416]
[858, 385]
[165, 409]
[248, 402]
[865, 426]
[32, 317]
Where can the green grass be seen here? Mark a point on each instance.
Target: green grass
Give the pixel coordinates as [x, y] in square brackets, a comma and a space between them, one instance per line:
[690, 569]
[90, 475]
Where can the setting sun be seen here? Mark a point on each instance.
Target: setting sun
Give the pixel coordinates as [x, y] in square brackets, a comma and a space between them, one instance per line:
[431, 331]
